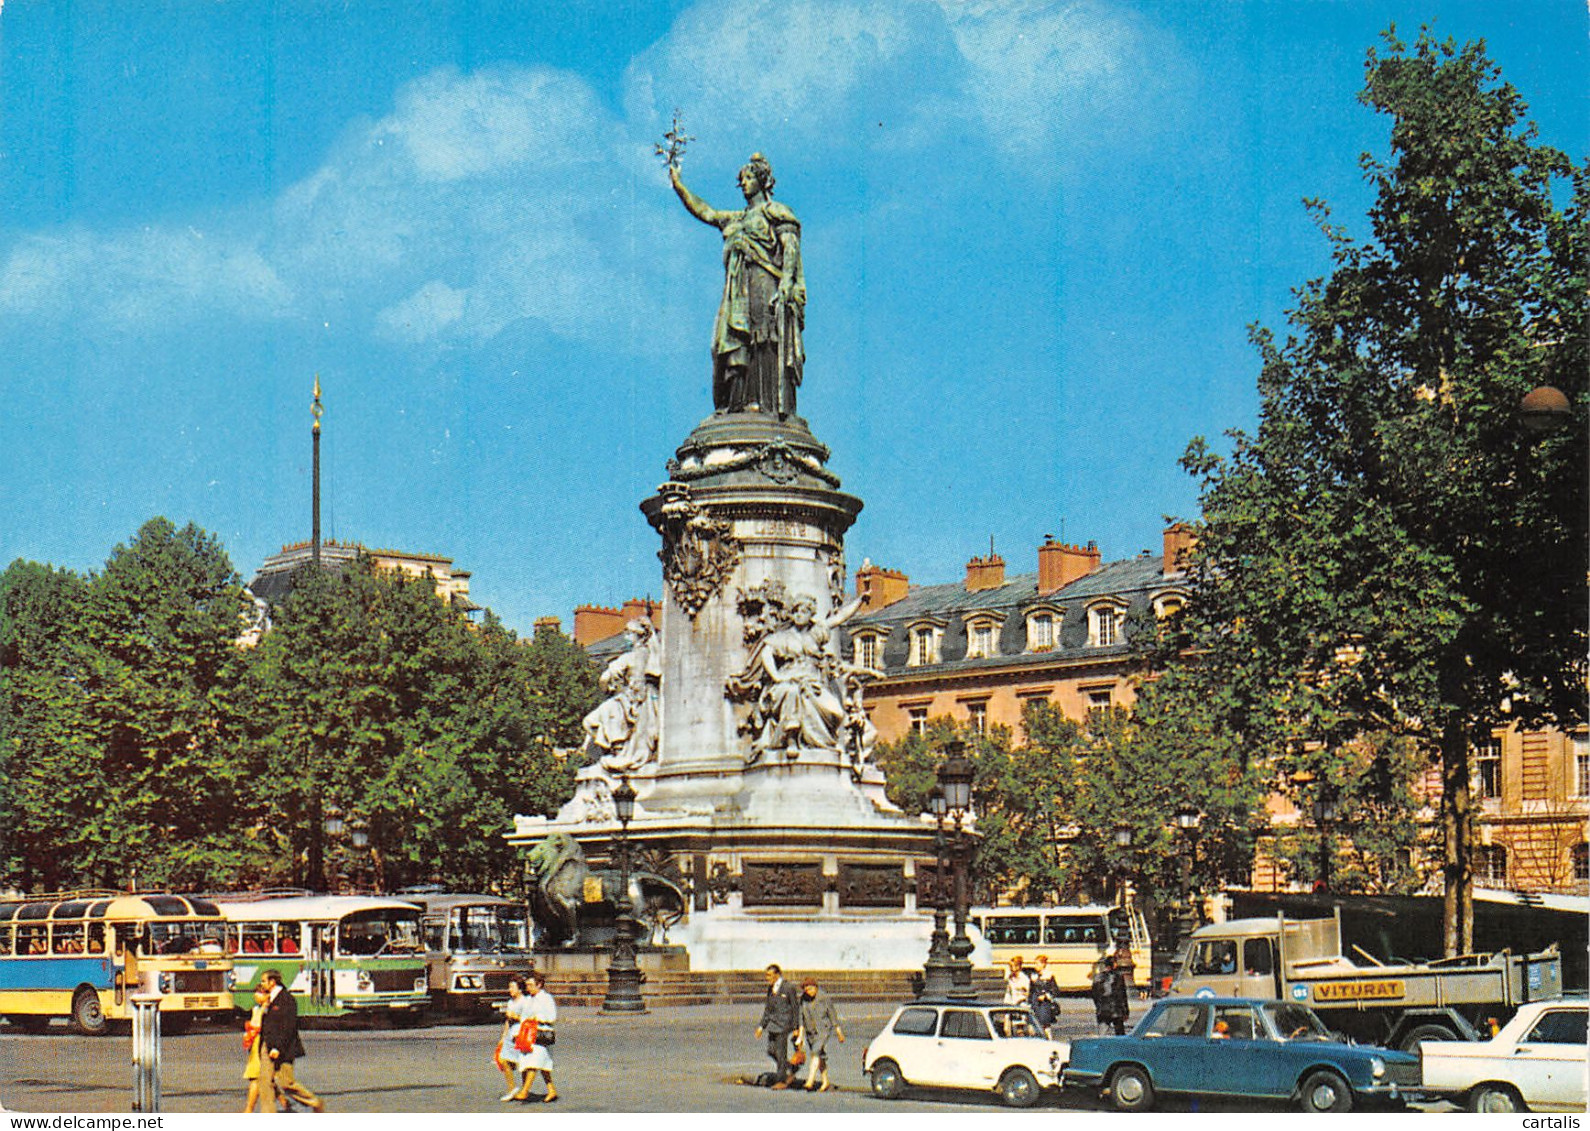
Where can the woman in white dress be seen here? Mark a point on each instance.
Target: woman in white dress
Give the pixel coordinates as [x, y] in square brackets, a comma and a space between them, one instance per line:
[541, 1009]
[509, 1058]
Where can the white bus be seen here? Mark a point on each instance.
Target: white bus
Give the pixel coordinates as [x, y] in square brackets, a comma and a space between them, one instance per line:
[1073, 939]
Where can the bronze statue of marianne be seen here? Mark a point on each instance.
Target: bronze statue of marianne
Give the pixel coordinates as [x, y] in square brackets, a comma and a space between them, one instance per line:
[757, 355]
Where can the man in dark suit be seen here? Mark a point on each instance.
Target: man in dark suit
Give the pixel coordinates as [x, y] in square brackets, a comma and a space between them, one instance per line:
[278, 1035]
[780, 1017]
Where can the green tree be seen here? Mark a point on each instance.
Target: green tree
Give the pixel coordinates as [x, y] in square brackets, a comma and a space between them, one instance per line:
[1015, 798]
[50, 780]
[1392, 553]
[377, 698]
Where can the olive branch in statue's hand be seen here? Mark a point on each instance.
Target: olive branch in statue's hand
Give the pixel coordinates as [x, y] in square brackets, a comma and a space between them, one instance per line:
[677, 139]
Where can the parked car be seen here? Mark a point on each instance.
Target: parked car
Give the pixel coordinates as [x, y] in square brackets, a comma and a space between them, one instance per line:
[1536, 1062]
[998, 1048]
[1248, 1047]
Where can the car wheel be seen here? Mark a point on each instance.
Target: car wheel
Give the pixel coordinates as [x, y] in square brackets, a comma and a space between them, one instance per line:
[1130, 1089]
[1423, 1033]
[1495, 1099]
[87, 1016]
[1019, 1088]
[1325, 1091]
[887, 1083]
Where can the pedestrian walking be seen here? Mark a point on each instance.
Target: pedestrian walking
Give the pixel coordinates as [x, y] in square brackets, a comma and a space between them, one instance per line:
[1109, 997]
[819, 1022]
[282, 1047]
[1018, 986]
[508, 1058]
[780, 1019]
[1045, 994]
[536, 1035]
[251, 1042]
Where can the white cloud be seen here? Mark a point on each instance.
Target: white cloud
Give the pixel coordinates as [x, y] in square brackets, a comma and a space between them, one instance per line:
[141, 275]
[424, 314]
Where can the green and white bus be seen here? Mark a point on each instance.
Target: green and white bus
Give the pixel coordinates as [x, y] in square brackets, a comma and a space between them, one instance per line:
[340, 954]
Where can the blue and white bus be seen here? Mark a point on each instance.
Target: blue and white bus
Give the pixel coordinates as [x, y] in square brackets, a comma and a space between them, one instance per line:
[82, 956]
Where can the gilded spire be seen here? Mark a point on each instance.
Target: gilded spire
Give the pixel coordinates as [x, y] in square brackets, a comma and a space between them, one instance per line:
[317, 410]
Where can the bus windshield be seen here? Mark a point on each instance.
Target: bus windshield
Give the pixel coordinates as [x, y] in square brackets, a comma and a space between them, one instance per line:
[489, 929]
[387, 930]
[183, 936]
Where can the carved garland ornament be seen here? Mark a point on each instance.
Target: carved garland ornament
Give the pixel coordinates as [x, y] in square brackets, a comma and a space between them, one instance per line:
[699, 552]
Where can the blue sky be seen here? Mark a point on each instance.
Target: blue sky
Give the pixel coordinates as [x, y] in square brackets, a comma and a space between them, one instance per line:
[1035, 235]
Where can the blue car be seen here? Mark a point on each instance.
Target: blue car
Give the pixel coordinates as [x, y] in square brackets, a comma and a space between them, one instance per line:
[1244, 1047]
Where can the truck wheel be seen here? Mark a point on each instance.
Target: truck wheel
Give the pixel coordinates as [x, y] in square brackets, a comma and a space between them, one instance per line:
[1130, 1089]
[1494, 1099]
[887, 1083]
[87, 1016]
[1421, 1033]
[1019, 1088]
[1325, 1091]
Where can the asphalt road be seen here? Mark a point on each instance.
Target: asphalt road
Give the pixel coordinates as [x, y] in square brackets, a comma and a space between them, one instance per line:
[686, 1059]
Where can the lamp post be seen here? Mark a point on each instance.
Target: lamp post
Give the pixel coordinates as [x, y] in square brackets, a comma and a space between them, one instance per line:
[1188, 822]
[1123, 841]
[1324, 815]
[331, 828]
[623, 975]
[955, 778]
[938, 975]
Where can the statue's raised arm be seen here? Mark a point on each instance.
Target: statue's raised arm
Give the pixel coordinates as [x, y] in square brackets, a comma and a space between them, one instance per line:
[758, 354]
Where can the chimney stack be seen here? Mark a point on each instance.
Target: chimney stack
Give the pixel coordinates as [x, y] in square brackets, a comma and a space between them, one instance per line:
[637, 608]
[1180, 538]
[985, 573]
[878, 587]
[1060, 564]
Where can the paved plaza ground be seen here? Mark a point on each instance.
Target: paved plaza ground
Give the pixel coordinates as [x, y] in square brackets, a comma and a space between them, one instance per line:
[681, 1059]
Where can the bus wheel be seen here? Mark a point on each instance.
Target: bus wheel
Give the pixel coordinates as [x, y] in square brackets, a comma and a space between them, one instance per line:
[87, 1016]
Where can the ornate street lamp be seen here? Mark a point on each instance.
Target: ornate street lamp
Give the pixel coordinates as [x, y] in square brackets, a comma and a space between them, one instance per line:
[623, 975]
[955, 778]
[938, 975]
[1324, 816]
[1189, 821]
[1123, 841]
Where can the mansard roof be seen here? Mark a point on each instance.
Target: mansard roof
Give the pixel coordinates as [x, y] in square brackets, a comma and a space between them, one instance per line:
[1132, 582]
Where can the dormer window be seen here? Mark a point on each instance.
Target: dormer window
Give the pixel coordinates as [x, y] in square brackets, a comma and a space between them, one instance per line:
[1043, 629]
[1168, 605]
[1105, 624]
[982, 635]
[924, 644]
[867, 650]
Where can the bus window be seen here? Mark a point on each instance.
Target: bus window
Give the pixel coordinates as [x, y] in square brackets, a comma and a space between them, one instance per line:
[31, 939]
[435, 935]
[1058, 930]
[1012, 930]
[96, 938]
[5, 938]
[67, 938]
[254, 938]
[1213, 956]
[288, 937]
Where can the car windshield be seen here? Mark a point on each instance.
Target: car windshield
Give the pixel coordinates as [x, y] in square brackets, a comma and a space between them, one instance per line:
[1296, 1022]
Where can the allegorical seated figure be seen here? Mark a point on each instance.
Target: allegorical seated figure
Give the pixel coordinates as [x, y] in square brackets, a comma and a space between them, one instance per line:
[622, 731]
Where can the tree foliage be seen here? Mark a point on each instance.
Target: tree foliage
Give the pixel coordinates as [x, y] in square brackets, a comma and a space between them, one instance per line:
[1393, 553]
[141, 743]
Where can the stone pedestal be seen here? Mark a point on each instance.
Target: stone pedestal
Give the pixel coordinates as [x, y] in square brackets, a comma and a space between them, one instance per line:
[787, 846]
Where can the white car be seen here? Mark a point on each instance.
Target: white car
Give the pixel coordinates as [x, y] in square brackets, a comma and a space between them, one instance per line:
[1536, 1062]
[944, 1044]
